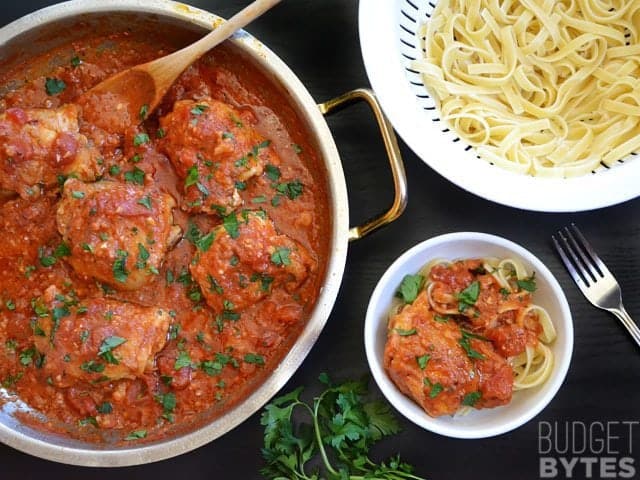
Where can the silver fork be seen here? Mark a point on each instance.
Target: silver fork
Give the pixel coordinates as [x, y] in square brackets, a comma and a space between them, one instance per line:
[592, 276]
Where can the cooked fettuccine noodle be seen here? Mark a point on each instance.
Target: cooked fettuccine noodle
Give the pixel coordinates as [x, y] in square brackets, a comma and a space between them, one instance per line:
[542, 87]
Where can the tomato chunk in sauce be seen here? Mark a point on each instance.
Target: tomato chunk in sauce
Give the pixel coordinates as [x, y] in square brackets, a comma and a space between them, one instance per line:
[151, 279]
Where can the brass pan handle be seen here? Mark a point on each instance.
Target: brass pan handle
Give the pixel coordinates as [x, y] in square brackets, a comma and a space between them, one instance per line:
[393, 152]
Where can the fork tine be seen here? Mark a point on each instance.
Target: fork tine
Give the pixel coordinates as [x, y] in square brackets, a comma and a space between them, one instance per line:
[589, 249]
[587, 265]
[577, 277]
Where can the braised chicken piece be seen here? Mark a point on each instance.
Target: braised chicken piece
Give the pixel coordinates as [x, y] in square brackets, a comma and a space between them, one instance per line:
[214, 148]
[25, 225]
[96, 339]
[247, 257]
[37, 146]
[118, 233]
[441, 366]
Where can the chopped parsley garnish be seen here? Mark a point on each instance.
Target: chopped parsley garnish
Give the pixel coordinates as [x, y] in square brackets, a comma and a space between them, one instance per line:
[144, 110]
[58, 313]
[174, 331]
[254, 358]
[75, 61]
[228, 312]
[37, 329]
[265, 281]
[436, 388]
[505, 293]
[233, 261]
[193, 233]
[259, 199]
[114, 170]
[465, 343]
[204, 242]
[195, 295]
[185, 277]
[76, 194]
[469, 296]
[29, 270]
[168, 402]
[272, 172]
[440, 319]
[104, 408]
[134, 176]
[199, 109]
[119, 267]
[281, 256]
[47, 261]
[410, 287]
[40, 310]
[11, 380]
[405, 333]
[62, 250]
[26, 356]
[230, 223]
[183, 360]
[470, 399]
[297, 148]
[92, 367]
[292, 189]
[192, 176]
[83, 422]
[215, 286]
[528, 284]
[228, 136]
[160, 133]
[53, 86]
[143, 256]
[422, 361]
[140, 139]
[10, 304]
[275, 201]
[136, 435]
[241, 185]
[214, 367]
[145, 201]
[479, 270]
[107, 346]
[241, 162]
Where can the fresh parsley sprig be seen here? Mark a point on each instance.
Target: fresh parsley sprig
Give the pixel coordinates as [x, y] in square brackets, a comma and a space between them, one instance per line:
[343, 428]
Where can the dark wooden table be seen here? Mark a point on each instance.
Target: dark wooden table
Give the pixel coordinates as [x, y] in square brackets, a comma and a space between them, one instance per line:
[318, 39]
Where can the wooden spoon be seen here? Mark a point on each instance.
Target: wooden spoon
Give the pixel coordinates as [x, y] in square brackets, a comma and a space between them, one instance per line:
[128, 97]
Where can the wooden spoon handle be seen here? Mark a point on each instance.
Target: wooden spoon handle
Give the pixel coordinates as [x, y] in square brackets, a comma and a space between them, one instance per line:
[180, 60]
[226, 29]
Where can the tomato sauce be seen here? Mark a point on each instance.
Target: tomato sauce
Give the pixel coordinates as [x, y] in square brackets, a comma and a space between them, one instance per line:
[104, 355]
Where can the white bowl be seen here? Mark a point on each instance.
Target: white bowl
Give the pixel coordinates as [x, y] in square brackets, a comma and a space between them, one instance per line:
[525, 404]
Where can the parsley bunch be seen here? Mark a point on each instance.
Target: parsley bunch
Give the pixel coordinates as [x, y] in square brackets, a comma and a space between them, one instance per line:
[343, 427]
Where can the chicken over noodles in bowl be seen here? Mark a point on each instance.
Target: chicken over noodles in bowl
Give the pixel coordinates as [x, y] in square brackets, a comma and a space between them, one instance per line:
[468, 335]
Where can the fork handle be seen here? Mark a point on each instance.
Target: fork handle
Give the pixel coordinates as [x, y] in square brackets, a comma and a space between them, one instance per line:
[628, 322]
